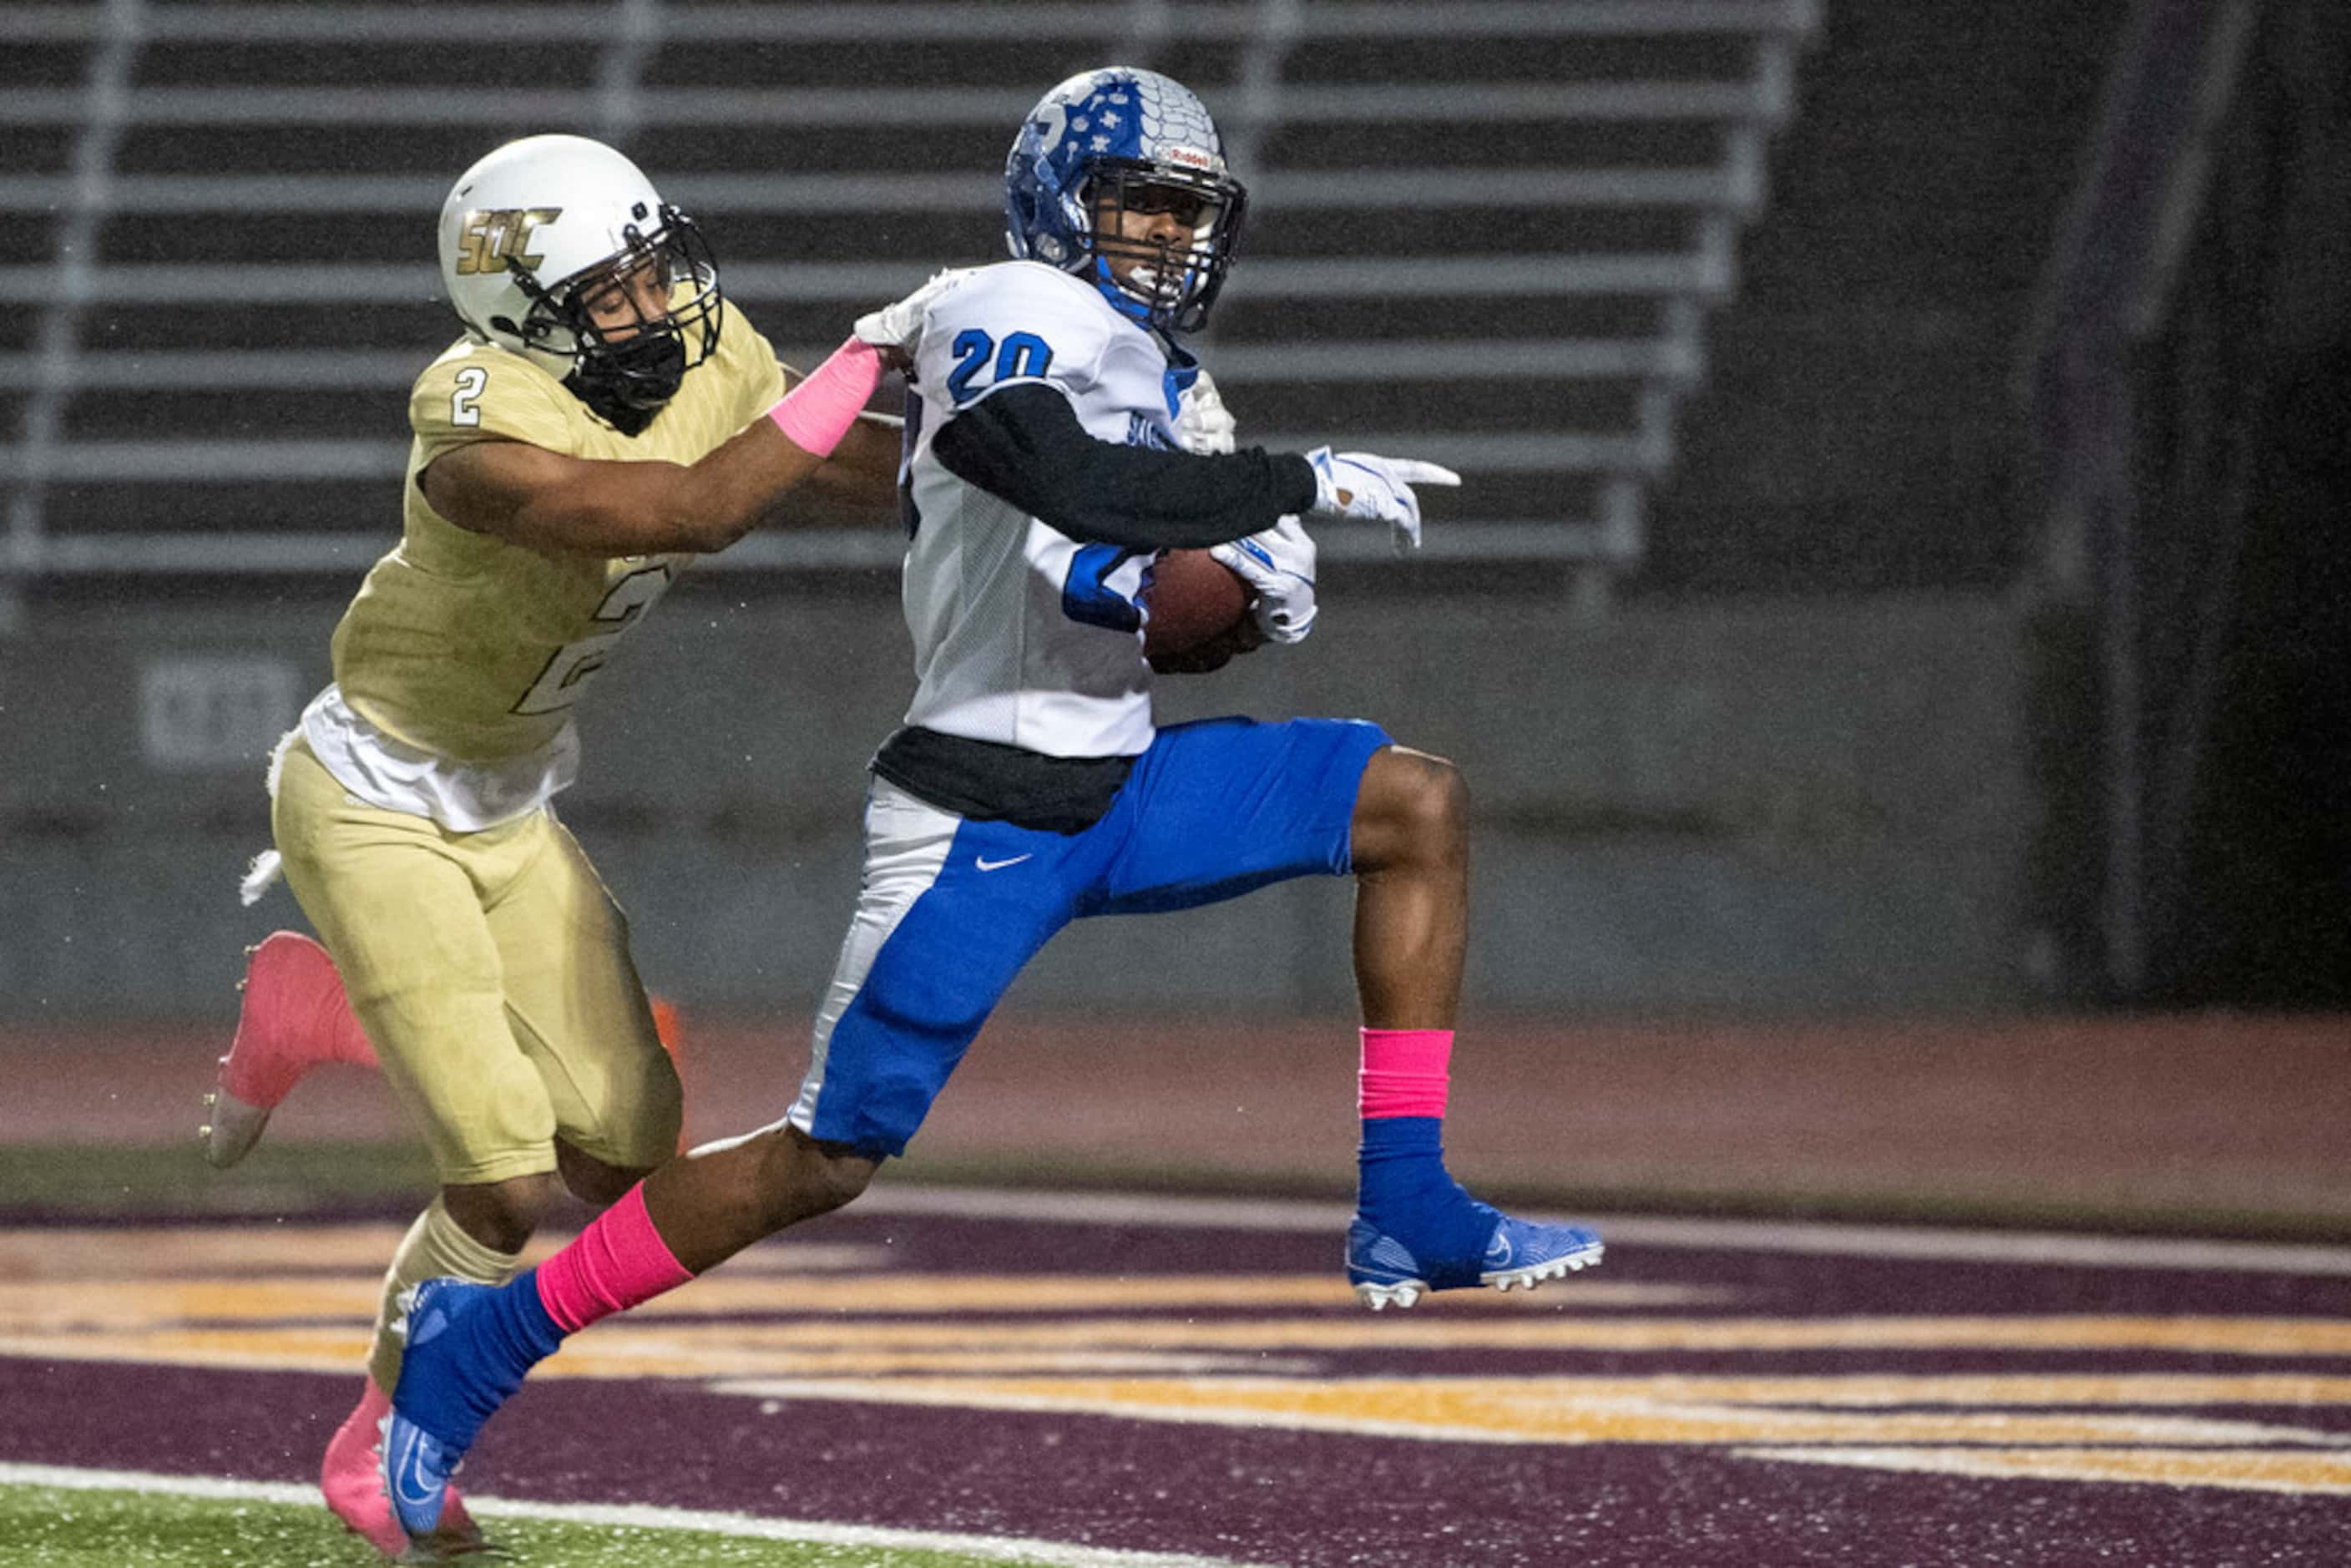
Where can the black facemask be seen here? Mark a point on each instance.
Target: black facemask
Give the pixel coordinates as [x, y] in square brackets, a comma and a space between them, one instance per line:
[627, 383]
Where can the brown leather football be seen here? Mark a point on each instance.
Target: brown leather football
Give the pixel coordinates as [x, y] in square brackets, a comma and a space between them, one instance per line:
[1193, 598]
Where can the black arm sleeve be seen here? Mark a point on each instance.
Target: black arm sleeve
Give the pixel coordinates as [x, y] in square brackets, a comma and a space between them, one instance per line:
[1024, 445]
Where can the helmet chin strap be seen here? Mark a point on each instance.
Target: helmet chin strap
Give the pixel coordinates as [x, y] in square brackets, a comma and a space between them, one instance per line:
[1125, 304]
[1157, 313]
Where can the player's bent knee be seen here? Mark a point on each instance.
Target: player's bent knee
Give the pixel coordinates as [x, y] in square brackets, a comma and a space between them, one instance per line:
[845, 1178]
[1413, 808]
[501, 1214]
[594, 1181]
[801, 1178]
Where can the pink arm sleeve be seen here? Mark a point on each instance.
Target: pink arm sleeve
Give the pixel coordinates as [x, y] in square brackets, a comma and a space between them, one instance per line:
[819, 411]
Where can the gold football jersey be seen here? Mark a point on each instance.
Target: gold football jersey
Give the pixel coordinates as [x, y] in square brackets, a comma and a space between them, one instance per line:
[476, 649]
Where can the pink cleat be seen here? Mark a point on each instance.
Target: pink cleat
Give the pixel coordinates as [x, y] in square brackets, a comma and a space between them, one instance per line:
[352, 1478]
[293, 1015]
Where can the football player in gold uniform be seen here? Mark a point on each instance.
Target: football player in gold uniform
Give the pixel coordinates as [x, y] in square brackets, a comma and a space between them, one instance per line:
[607, 416]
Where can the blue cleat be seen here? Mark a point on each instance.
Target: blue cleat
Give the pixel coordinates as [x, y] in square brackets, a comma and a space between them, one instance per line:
[469, 1348]
[417, 1469]
[1519, 1253]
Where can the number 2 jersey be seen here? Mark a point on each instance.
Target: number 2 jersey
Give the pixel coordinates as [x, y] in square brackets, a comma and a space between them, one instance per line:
[1024, 636]
[457, 664]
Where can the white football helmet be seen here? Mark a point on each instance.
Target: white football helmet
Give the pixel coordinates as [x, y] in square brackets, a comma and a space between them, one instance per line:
[531, 230]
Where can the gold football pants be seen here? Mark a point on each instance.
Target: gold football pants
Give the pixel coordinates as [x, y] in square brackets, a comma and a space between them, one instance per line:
[492, 972]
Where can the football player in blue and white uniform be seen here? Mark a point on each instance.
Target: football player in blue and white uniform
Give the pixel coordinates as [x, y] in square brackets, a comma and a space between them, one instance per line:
[1050, 418]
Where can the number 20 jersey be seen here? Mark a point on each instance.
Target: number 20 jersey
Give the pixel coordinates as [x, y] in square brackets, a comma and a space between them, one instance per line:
[1024, 636]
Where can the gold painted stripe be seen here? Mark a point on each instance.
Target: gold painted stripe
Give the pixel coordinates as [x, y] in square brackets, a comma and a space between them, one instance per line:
[2033, 1390]
[49, 1308]
[73, 1253]
[2257, 1469]
[58, 1302]
[248, 1351]
[83, 1253]
[1492, 1411]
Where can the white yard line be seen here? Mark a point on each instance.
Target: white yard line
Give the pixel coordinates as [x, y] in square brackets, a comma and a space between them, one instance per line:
[1922, 1242]
[1010, 1549]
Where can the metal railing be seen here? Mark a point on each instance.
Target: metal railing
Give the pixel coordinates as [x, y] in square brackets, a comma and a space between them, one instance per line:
[1615, 464]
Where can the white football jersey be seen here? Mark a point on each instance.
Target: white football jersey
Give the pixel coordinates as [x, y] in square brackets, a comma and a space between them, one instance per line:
[1022, 635]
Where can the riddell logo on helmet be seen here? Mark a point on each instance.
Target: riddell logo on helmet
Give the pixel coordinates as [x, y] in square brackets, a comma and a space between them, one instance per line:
[1190, 158]
[490, 237]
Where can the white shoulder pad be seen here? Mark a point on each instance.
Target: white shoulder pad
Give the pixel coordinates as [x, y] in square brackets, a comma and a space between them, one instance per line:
[1017, 320]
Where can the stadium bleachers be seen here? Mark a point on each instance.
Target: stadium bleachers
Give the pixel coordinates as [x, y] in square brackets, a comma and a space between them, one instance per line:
[1490, 234]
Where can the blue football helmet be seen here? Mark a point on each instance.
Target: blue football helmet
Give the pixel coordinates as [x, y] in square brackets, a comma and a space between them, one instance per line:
[1114, 140]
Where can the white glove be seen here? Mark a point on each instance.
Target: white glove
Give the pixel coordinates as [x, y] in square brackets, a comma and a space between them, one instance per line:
[900, 326]
[1358, 485]
[1203, 424]
[1279, 562]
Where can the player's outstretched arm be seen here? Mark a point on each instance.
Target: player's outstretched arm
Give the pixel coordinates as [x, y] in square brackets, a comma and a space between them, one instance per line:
[530, 495]
[1024, 445]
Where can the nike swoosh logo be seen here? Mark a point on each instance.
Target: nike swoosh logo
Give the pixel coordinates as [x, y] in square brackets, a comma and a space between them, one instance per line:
[983, 864]
[404, 1475]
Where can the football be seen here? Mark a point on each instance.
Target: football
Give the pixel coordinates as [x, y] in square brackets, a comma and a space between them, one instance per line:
[1193, 598]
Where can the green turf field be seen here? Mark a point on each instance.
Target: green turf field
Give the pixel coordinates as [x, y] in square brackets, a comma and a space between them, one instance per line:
[60, 1527]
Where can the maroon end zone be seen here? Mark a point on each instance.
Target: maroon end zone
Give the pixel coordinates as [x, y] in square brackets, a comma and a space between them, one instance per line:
[1212, 1390]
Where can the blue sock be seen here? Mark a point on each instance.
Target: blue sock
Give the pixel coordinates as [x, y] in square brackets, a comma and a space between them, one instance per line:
[1404, 1191]
[475, 1360]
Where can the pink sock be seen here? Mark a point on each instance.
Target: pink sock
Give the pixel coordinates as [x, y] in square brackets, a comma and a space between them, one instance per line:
[619, 1261]
[1404, 1073]
[819, 411]
[347, 1042]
